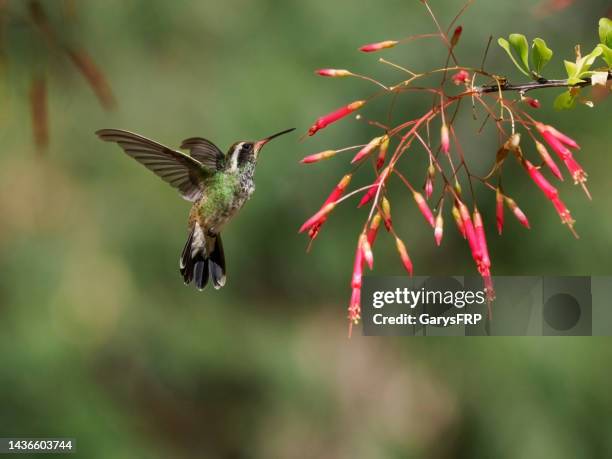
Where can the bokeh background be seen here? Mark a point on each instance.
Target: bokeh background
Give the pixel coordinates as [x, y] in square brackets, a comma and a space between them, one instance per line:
[101, 341]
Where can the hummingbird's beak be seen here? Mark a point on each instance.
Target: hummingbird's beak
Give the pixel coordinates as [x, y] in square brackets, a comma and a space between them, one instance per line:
[262, 142]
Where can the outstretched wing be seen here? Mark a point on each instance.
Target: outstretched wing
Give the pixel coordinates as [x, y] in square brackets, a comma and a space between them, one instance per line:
[206, 152]
[178, 169]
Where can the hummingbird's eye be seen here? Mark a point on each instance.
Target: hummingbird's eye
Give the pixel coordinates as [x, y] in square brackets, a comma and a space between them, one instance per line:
[246, 147]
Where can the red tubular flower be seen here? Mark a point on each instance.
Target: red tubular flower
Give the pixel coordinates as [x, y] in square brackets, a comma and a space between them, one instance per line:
[403, 253]
[439, 228]
[562, 137]
[333, 72]
[424, 208]
[458, 221]
[382, 151]
[461, 77]
[544, 185]
[365, 151]
[518, 213]
[548, 160]
[373, 230]
[470, 232]
[336, 194]
[561, 150]
[334, 116]
[456, 35]
[499, 214]
[488, 286]
[369, 195]
[368, 256]
[319, 217]
[563, 211]
[557, 140]
[445, 138]
[386, 213]
[575, 170]
[318, 156]
[369, 48]
[357, 268]
[354, 309]
[535, 103]
[485, 262]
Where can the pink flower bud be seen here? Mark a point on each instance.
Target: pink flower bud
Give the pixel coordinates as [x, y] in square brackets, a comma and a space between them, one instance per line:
[518, 213]
[548, 160]
[369, 195]
[424, 208]
[334, 116]
[431, 173]
[403, 253]
[499, 210]
[461, 77]
[439, 228]
[382, 152]
[445, 139]
[319, 217]
[544, 185]
[378, 46]
[366, 249]
[535, 103]
[333, 72]
[428, 188]
[365, 151]
[318, 156]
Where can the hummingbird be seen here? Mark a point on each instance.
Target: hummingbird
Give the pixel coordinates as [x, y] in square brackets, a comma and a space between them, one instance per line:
[217, 184]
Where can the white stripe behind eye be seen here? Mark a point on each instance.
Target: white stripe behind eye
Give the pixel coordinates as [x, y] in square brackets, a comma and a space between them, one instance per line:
[234, 157]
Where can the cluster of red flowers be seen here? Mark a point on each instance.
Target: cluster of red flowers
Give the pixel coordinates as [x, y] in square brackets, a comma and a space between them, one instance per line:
[446, 160]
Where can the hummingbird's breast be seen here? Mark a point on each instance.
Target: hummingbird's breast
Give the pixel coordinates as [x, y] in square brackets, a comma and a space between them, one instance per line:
[224, 195]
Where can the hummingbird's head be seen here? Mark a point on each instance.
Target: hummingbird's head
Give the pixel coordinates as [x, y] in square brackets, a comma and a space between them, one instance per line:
[248, 151]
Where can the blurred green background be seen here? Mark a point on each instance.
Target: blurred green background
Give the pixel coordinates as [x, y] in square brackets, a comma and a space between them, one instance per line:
[99, 338]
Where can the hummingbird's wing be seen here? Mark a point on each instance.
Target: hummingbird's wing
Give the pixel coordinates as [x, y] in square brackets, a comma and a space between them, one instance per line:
[178, 169]
[206, 152]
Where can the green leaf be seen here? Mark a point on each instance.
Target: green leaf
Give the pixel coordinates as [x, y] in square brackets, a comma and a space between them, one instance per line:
[605, 32]
[606, 54]
[585, 62]
[571, 69]
[580, 69]
[565, 101]
[506, 46]
[521, 47]
[541, 54]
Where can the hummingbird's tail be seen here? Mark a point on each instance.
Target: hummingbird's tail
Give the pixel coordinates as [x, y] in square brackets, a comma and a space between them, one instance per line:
[203, 259]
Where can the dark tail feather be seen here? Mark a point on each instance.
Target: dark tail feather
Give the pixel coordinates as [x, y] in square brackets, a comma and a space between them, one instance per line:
[216, 263]
[194, 263]
[197, 266]
[200, 272]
